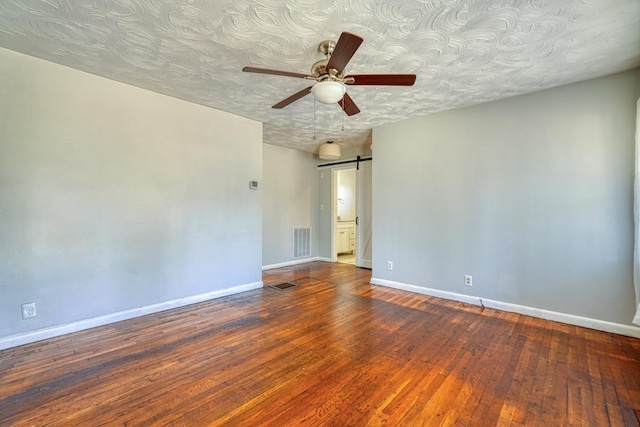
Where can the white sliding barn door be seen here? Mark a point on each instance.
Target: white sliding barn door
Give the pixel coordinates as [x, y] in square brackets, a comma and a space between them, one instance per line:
[363, 214]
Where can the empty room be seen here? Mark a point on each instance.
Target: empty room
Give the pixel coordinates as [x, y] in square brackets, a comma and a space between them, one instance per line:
[344, 213]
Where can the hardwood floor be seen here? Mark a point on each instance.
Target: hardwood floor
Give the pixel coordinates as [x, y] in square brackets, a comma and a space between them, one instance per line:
[333, 350]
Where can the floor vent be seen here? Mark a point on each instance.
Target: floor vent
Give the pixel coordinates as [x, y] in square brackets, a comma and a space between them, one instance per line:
[301, 242]
[281, 286]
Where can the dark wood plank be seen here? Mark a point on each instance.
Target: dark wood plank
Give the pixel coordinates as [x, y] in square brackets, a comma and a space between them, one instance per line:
[333, 350]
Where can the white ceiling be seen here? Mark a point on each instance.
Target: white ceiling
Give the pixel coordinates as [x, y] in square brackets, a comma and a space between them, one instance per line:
[463, 51]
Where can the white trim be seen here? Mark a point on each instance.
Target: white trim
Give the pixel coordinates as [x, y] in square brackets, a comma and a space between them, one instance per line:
[294, 262]
[334, 212]
[636, 219]
[426, 291]
[55, 331]
[586, 322]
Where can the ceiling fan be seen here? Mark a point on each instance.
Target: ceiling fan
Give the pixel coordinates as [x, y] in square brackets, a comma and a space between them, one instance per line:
[329, 75]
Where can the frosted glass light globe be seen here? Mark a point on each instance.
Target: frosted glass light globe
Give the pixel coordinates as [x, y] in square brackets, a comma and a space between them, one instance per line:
[328, 92]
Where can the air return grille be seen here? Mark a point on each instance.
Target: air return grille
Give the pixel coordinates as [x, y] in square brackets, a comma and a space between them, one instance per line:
[301, 242]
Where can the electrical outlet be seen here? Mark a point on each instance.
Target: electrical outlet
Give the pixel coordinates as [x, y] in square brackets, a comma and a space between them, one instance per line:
[29, 310]
[468, 280]
[389, 265]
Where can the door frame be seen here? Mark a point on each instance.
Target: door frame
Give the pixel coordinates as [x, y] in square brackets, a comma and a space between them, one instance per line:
[328, 190]
[334, 208]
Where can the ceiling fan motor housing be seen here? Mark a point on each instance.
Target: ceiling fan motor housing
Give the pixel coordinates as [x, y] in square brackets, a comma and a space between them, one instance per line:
[320, 72]
[319, 68]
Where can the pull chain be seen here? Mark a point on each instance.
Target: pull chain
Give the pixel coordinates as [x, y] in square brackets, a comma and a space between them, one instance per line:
[314, 118]
[343, 114]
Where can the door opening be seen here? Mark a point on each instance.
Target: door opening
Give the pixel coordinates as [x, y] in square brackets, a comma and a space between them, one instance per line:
[351, 213]
[345, 215]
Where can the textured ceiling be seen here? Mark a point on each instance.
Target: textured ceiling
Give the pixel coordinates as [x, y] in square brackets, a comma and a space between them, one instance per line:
[463, 51]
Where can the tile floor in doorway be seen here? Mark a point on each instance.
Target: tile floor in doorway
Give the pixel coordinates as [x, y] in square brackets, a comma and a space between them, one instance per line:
[347, 258]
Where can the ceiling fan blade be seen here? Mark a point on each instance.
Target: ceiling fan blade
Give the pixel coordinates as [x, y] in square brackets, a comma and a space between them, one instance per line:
[345, 48]
[293, 98]
[382, 79]
[348, 105]
[276, 72]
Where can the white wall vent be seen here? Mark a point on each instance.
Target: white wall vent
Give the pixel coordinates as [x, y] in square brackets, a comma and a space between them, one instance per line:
[301, 242]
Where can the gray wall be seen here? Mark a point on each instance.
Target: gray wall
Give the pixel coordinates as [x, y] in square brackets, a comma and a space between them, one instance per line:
[532, 196]
[290, 195]
[112, 197]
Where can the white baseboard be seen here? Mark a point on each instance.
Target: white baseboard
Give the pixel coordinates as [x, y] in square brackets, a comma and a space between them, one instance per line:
[600, 325]
[55, 331]
[294, 262]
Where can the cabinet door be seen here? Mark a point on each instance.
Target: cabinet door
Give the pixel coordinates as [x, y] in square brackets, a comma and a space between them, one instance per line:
[352, 239]
[343, 241]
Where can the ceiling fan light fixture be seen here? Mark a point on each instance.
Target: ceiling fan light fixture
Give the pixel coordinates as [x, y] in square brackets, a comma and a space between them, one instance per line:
[328, 92]
[329, 151]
